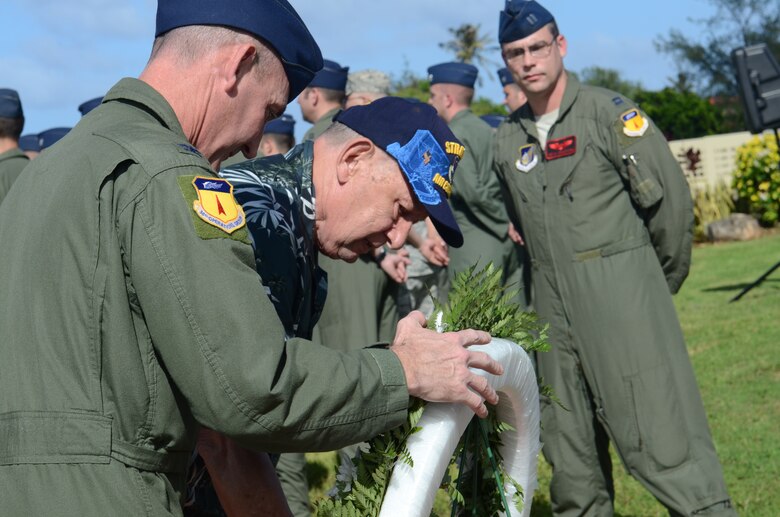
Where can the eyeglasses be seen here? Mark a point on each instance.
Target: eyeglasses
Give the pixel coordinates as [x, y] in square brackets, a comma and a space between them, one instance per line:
[540, 50]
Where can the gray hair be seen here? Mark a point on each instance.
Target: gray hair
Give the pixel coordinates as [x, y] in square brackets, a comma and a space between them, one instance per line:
[192, 42]
[368, 81]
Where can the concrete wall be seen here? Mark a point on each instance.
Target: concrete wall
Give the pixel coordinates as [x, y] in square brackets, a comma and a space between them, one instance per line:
[709, 160]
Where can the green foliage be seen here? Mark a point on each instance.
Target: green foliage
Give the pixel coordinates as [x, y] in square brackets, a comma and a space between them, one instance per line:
[470, 46]
[476, 300]
[706, 53]
[610, 79]
[710, 204]
[680, 114]
[757, 179]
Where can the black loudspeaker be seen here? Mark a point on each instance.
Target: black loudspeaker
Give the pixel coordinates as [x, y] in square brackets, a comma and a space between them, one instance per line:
[758, 76]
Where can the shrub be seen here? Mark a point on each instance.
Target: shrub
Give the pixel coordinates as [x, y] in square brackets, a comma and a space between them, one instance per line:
[710, 204]
[757, 179]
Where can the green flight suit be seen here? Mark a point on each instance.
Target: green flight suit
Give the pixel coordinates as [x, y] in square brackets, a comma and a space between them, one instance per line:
[609, 238]
[478, 205]
[11, 164]
[321, 125]
[128, 321]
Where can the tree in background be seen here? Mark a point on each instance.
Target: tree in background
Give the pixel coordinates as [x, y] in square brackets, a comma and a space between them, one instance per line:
[680, 114]
[610, 79]
[707, 55]
[469, 46]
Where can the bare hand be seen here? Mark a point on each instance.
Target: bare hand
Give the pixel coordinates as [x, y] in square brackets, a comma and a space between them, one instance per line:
[437, 365]
[245, 481]
[515, 235]
[394, 264]
[435, 251]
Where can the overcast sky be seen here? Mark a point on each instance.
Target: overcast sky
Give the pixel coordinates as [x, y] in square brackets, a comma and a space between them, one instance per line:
[59, 53]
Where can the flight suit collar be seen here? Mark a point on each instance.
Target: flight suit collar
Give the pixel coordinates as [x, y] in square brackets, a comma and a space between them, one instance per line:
[526, 116]
[461, 114]
[140, 93]
[328, 116]
[12, 153]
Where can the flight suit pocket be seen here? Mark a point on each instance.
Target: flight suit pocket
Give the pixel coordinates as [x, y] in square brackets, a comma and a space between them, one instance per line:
[660, 424]
[644, 189]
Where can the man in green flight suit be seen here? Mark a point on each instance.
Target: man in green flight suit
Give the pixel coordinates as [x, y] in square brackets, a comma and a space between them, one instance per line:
[477, 199]
[606, 215]
[12, 159]
[140, 321]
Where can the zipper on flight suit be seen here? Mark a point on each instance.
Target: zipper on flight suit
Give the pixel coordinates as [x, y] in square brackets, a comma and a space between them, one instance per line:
[566, 185]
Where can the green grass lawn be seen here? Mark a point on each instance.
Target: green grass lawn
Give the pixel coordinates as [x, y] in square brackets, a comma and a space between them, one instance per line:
[735, 350]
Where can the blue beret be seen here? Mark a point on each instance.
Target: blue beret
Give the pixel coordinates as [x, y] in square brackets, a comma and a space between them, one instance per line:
[426, 151]
[91, 104]
[453, 73]
[10, 105]
[273, 21]
[332, 76]
[284, 125]
[520, 19]
[493, 120]
[29, 143]
[505, 76]
[51, 136]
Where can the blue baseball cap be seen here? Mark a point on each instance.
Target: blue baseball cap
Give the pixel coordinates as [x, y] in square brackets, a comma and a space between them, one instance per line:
[10, 105]
[86, 107]
[463, 74]
[332, 76]
[520, 19]
[505, 76]
[493, 120]
[426, 151]
[51, 136]
[284, 125]
[29, 143]
[273, 21]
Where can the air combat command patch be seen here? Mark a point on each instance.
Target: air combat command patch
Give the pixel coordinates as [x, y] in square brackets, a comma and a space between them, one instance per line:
[528, 158]
[634, 124]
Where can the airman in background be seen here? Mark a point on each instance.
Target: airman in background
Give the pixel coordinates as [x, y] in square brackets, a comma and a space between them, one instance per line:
[30, 145]
[606, 215]
[12, 159]
[323, 98]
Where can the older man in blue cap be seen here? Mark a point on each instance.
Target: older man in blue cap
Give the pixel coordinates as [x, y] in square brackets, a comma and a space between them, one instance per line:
[12, 159]
[140, 321]
[606, 215]
[477, 199]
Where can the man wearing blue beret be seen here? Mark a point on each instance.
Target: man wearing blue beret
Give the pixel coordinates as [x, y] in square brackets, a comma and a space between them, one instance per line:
[87, 106]
[323, 98]
[12, 159]
[513, 94]
[30, 145]
[49, 137]
[139, 325]
[606, 215]
[477, 199]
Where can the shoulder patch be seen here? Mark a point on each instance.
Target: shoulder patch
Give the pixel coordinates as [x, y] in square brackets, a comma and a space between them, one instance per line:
[215, 212]
[634, 124]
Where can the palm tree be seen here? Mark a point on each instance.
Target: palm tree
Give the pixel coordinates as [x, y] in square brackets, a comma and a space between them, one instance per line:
[469, 46]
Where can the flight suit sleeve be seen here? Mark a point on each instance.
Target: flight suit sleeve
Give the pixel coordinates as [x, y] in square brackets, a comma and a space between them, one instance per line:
[217, 336]
[660, 190]
[476, 188]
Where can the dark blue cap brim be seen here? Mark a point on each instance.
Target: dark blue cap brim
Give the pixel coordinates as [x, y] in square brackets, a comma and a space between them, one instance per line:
[273, 21]
[419, 140]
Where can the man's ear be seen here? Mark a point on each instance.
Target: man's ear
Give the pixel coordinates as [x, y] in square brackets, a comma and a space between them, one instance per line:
[354, 156]
[239, 61]
[266, 147]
